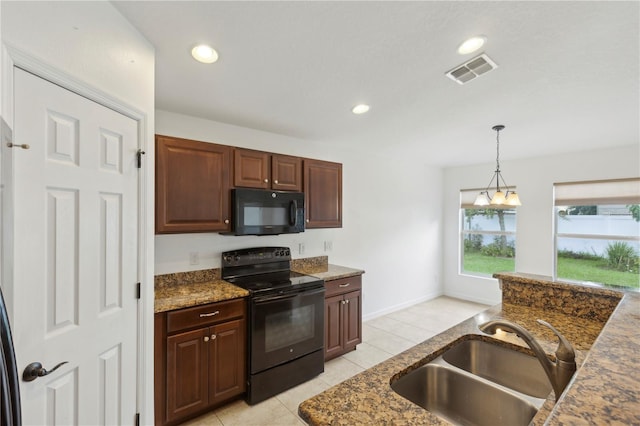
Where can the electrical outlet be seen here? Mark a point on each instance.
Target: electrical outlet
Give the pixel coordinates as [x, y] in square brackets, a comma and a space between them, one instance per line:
[300, 248]
[194, 258]
[328, 245]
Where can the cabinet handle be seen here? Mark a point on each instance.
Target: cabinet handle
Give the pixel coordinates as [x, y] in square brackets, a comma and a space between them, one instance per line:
[226, 221]
[210, 314]
[266, 181]
[344, 285]
[213, 337]
[206, 338]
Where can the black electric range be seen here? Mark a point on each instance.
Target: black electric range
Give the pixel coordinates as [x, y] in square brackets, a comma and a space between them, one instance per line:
[285, 319]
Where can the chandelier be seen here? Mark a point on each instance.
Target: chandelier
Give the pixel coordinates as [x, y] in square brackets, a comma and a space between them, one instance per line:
[499, 198]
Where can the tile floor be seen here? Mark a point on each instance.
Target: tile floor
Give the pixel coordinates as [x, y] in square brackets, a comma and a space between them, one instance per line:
[382, 338]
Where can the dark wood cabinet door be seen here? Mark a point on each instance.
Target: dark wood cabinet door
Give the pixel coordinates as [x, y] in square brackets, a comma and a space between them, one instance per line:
[187, 385]
[227, 363]
[286, 173]
[323, 194]
[352, 318]
[251, 168]
[333, 328]
[192, 186]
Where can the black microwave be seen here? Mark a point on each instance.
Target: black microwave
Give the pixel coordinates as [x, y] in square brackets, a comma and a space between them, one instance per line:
[264, 212]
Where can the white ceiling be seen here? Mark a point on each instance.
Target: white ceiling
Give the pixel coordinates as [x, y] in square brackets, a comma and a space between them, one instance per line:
[567, 78]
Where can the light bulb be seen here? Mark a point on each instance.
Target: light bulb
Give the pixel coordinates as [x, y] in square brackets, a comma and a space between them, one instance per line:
[205, 54]
[471, 45]
[360, 109]
[513, 199]
[498, 198]
[481, 200]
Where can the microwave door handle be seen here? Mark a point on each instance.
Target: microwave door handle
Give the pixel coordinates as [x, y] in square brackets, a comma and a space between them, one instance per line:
[293, 208]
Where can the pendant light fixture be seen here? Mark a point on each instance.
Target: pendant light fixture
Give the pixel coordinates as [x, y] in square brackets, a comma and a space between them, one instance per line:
[500, 197]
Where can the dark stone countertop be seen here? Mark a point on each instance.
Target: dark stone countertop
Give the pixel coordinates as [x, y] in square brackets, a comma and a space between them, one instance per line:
[186, 289]
[605, 335]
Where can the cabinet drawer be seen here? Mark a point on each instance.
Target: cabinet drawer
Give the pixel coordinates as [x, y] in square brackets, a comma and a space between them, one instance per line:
[205, 314]
[343, 285]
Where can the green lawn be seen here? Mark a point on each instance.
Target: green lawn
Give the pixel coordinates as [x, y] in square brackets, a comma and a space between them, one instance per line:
[479, 263]
[568, 269]
[595, 271]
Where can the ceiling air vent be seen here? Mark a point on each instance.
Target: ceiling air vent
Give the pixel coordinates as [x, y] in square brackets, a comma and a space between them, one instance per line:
[472, 69]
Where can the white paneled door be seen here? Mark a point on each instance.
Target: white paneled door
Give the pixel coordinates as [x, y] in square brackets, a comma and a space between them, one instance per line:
[76, 250]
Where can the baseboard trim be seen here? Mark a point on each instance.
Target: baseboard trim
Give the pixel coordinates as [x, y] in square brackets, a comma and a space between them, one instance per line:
[471, 299]
[401, 306]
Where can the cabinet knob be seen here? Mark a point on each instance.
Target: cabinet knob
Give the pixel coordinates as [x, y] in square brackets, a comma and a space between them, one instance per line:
[275, 181]
[342, 302]
[266, 181]
[213, 337]
[226, 221]
[346, 301]
[307, 220]
[206, 338]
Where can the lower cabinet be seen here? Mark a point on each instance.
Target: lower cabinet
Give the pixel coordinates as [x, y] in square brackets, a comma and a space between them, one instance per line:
[202, 360]
[343, 316]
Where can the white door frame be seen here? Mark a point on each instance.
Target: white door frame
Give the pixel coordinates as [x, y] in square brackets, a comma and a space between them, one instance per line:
[13, 57]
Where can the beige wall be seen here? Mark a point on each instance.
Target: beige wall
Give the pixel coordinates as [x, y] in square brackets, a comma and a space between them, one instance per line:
[391, 217]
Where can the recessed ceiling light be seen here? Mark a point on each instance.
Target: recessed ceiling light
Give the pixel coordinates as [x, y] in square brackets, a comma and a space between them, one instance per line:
[471, 45]
[205, 54]
[360, 109]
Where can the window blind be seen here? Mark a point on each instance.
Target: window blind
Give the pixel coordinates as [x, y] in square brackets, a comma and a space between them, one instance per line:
[615, 191]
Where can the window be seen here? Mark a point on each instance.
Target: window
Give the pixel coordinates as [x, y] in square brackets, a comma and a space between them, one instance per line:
[487, 237]
[597, 235]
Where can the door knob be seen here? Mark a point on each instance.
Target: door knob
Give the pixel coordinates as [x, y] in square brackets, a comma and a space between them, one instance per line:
[35, 370]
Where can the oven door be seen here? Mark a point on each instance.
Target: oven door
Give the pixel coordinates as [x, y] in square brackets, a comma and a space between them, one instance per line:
[285, 327]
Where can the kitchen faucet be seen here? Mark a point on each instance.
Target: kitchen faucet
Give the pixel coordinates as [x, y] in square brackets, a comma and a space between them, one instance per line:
[560, 371]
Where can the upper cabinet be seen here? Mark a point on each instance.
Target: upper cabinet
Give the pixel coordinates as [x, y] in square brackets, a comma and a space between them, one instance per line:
[257, 169]
[192, 186]
[286, 172]
[323, 194]
[194, 181]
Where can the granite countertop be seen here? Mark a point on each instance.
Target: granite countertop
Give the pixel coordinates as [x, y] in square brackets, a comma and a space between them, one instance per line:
[328, 272]
[193, 294]
[186, 289]
[604, 390]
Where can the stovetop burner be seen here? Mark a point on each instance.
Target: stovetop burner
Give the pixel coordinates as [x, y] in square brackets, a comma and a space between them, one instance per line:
[265, 270]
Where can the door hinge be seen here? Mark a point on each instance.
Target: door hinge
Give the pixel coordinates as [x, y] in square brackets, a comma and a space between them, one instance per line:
[137, 419]
[138, 290]
[140, 154]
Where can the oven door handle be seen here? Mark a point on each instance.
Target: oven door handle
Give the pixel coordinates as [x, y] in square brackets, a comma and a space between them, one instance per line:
[286, 296]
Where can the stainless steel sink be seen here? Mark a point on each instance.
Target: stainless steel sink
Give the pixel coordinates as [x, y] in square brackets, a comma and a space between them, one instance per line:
[462, 399]
[478, 383]
[507, 367]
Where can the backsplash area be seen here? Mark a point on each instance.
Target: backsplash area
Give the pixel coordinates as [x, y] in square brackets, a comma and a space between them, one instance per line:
[306, 265]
